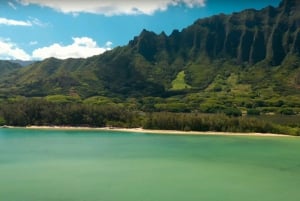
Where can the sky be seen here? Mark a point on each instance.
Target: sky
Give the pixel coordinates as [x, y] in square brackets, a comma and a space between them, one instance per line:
[39, 29]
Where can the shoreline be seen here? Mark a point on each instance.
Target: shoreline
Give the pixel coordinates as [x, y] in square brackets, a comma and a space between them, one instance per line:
[162, 132]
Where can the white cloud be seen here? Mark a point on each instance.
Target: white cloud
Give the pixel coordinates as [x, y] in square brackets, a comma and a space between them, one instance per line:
[10, 22]
[108, 44]
[113, 7]
[81, 48]
[35, 21]
[33, 43]
[28, 23]
[12, 5]
[9, 50]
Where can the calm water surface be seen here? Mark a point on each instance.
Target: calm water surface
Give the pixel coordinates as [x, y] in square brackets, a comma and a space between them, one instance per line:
[45, 165]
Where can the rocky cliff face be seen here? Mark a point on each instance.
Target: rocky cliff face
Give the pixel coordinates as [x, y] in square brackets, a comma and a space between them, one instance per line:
[249, 36]
[150, 64]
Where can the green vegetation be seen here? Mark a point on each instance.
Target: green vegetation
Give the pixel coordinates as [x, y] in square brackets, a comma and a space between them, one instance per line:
[2, 121]
[228, 66]
[221, 123]
[39, 111]
[179, 83]
[8, 67]
[253, 112]
[235, 54]
[42, 112]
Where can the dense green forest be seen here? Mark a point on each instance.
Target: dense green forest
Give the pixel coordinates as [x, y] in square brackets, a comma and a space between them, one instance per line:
[38, 111]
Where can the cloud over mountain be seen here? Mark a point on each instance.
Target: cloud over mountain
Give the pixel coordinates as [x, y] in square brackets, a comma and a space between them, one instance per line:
[9, 50]
[82, 47]
[113, 7]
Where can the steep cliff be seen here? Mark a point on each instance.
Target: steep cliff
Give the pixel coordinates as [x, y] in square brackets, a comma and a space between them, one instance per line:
[249, 36]
[262, 47]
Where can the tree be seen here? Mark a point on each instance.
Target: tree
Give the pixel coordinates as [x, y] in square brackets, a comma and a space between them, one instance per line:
[287, 111]
[2, 121]
[235, 112]
[253, 112]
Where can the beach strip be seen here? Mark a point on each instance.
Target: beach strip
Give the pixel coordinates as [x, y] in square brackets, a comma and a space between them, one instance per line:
[170, 132]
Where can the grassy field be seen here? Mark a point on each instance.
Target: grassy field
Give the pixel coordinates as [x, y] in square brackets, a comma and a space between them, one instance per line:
[179, 83]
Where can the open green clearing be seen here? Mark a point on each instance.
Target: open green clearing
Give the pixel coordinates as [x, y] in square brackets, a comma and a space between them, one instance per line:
[179, 83]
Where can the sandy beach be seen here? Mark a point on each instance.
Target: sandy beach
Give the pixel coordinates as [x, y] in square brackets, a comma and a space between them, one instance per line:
[170, 132]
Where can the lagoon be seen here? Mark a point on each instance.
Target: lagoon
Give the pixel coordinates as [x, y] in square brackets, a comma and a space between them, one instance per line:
[89, 165]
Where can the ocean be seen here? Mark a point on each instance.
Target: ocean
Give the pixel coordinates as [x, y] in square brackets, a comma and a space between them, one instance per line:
[90, 165]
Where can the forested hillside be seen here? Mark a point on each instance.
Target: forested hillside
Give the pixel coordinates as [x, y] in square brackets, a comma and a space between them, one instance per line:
[257, 48]
[7, 67]
[243, 63]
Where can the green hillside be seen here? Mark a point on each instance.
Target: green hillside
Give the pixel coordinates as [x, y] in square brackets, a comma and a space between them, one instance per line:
[246, 62]
[7, 67]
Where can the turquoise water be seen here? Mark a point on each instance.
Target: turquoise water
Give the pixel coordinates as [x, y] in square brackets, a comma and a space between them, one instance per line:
[52, 165]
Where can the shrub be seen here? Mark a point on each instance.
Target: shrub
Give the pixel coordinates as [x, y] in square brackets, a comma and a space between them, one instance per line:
[211, 108]
[287, 111]
[2, 121]
[235, 112]
[253, 112]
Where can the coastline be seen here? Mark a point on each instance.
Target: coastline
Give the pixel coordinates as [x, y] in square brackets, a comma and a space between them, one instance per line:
[162, 132]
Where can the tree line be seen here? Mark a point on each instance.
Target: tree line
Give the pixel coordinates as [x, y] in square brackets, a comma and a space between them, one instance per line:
[41, 112]
[214, 122]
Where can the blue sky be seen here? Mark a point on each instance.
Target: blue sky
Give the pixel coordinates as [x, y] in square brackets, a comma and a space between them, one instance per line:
[38, 29]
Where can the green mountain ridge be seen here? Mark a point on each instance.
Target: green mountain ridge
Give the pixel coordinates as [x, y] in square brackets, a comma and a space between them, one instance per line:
[245, 56]
[7, 67]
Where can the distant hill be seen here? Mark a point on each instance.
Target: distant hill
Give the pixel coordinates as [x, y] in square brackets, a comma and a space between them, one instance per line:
[22, 63]
[253, 53]
[7, 67]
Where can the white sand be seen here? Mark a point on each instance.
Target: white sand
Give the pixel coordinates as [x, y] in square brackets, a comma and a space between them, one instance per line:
[173, 132]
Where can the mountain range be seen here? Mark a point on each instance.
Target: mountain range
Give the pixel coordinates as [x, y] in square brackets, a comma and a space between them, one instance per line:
[253, 54]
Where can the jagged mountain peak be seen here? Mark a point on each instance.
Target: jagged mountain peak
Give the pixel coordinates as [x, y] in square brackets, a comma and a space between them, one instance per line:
[151, 62]
[248, 36]
[289, 3]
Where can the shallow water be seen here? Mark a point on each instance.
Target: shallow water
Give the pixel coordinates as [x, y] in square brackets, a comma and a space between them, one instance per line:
[57, 165]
